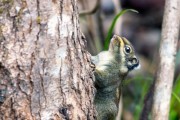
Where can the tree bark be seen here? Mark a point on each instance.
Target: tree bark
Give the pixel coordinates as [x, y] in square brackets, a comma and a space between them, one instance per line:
[167, 54]
[45, 70]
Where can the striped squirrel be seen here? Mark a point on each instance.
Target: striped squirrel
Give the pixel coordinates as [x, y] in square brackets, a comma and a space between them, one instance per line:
[110, 69]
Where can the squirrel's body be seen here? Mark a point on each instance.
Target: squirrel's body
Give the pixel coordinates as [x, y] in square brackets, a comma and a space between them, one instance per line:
[110, 69]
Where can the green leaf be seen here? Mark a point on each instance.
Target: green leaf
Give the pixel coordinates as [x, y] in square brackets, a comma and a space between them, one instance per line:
[175, 100]
[176, 96]
[108, 37]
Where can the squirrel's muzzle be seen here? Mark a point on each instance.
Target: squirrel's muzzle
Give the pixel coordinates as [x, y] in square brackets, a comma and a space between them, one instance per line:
[132, 63]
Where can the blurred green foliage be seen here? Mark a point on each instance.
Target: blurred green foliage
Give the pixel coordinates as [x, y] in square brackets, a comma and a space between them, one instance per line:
[175, 101]
[134, 92]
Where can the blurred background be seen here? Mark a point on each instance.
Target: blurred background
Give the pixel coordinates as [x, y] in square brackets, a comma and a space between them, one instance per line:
[143, 29]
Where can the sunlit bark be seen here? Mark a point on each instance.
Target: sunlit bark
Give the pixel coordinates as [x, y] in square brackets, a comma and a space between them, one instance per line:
[45, 70]
[167, 54]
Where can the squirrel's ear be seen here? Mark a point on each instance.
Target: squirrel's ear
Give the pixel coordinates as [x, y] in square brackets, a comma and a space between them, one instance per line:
[115, 43]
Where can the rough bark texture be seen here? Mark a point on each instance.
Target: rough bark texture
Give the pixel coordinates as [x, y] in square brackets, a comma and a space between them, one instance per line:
[45, 70]
[167, 54]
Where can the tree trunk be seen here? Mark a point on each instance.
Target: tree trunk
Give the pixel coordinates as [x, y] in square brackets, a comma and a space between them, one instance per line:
[167, 52]
[45, 70]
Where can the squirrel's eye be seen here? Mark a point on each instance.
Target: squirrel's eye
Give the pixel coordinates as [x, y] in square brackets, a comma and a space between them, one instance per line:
[127, 49]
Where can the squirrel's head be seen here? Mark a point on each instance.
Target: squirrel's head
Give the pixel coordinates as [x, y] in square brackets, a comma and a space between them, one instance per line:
[125, 53]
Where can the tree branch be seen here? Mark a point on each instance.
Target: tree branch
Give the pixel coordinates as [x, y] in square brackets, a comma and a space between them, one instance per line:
[167, 52]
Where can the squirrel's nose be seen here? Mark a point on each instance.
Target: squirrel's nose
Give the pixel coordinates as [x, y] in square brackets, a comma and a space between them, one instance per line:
[134, 61]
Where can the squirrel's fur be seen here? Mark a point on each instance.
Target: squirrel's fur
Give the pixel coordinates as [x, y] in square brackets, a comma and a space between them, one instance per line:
[110, 69]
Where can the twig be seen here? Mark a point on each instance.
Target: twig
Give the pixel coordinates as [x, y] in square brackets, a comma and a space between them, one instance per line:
[93, 10]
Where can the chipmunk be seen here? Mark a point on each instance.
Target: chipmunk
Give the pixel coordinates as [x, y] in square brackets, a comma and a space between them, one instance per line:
[111, 67]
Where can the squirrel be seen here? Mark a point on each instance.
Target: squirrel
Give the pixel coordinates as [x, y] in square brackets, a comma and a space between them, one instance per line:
[111, 67]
